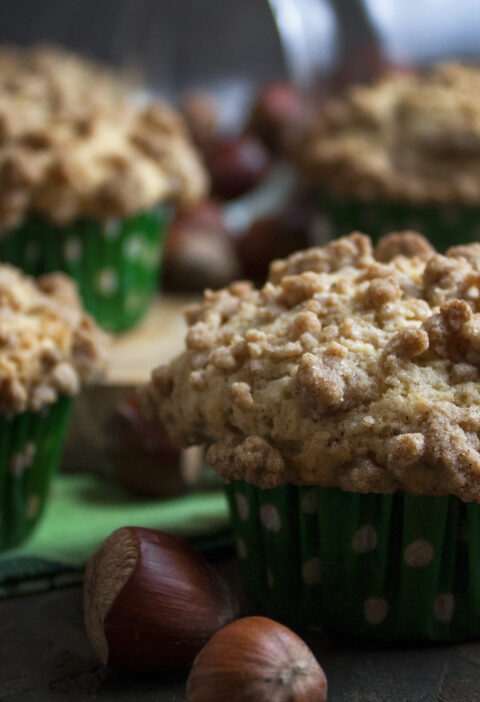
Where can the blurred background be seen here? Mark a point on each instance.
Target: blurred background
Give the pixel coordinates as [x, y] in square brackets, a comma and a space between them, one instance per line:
[211, 43]
[240, 72]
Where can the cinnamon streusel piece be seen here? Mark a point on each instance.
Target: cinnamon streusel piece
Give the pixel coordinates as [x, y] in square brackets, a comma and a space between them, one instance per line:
[408, 137]
[75, 141]
[48, 345]
[352, 366]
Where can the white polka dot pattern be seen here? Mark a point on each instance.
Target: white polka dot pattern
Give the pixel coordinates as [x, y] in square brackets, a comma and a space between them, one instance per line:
[360, 546]
[22, 460]
[312, 572]
[242, 506]
[107, 281]
[151, 256]
[365, 539]
[133, 247]
[112, 228]
[375, 610]
[310, 501]
[270, 518]
[444, 607]
[73, 250]
[419, 553]
[134, 301]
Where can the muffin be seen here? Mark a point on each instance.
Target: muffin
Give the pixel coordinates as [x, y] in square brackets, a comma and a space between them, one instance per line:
[403, 153]
[48, 348]
[88, 178]
[341, 404]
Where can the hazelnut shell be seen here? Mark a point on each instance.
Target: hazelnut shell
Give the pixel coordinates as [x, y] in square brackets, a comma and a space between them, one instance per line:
[151, 601]
[256, 659]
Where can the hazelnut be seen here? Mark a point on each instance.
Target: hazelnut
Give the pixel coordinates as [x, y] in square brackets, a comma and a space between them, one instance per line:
[236, 165]
[145, 459]
[151, 601]
[199, 252]
[278, 115]
[256, 659]
[272, 237]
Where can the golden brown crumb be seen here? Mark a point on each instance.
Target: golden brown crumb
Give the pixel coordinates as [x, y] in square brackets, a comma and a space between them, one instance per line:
[48, 345]
[254, 459]
[406, 243]
[365, 375]
[72, 142]
[413, 138]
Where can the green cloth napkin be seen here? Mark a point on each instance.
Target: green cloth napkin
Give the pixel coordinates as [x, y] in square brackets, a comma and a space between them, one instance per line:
[83, 510]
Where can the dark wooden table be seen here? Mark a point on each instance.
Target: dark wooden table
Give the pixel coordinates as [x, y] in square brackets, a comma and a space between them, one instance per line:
[46, 657]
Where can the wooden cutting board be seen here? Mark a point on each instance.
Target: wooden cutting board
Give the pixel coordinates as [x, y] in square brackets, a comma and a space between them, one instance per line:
[158, 338]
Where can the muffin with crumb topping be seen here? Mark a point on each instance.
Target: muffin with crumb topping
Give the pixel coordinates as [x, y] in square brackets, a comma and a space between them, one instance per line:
[341, 403]
[403, 153]
[49, 347]
[88, 178]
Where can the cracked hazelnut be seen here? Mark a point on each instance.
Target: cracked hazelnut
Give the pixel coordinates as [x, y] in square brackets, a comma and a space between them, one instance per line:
[151, 601]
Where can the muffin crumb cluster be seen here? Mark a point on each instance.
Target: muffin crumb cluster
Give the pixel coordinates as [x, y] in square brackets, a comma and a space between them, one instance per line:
[74, 143]
[48, 345]
[412, 138]
[351, 367]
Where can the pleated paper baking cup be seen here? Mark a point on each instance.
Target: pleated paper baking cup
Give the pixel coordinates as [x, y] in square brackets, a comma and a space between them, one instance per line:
[388, 567]
[30, 448]
[115, 263]
[443, 225]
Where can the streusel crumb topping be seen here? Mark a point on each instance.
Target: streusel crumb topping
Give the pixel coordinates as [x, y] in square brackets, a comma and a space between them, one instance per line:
[73, 142]
[351, 367]
[48, 345]
[411, 138]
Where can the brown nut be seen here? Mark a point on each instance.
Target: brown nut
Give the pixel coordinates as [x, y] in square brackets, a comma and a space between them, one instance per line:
[151, 601]
[236, 165]
[278, 115]
[258, 660]
[199, 252]
[272, 237]
[145, 460]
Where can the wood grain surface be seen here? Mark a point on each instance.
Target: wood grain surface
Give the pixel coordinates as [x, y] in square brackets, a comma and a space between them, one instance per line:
[154, 341]
[46, 657]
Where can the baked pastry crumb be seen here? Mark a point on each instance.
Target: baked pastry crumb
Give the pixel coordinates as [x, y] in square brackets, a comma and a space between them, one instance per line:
[353, 367]
[48, 345]
[74, 142]
[408, 137]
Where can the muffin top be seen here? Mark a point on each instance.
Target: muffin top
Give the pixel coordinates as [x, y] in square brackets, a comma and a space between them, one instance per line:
[48, 345]
[351, 367]
[409, 137]
[73, 142]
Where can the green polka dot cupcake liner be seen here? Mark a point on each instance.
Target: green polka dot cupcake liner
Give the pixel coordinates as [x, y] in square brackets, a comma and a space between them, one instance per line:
[115, 263]
[30, 448]
[396, 568]
[443, 225]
